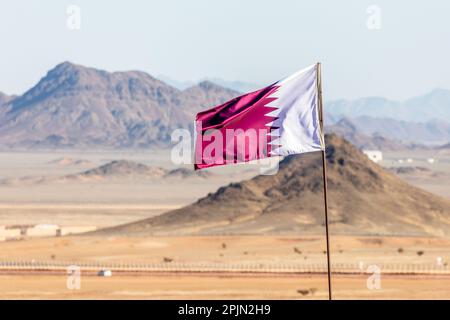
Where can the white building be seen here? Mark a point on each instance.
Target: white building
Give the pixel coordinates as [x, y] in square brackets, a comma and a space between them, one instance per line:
[374, 155]
[66, 230]
[42, 230]
[9, 233]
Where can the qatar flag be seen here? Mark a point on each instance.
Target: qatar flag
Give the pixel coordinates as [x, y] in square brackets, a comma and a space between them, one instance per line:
[278, 120]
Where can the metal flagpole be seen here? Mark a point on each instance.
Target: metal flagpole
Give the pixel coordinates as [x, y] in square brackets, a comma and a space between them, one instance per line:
[324, 167]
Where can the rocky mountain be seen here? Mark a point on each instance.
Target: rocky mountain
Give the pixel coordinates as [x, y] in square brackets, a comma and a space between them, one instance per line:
[4, 98]
[423, 120]
[238, 86]
[364, 199]
[185, 173]
[351, 130]
[433, 132]
[79, 107]
[431, 106]
[75, 106]
[444, 147]
[204, 95]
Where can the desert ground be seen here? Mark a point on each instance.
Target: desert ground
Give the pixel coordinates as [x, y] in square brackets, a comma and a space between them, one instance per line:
[284, 267]
[248, 267]
[101, 203]
[436, 176]
[112, 202]
[222, 287]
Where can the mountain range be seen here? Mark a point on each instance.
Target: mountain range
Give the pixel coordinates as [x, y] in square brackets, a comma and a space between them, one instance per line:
[364, 199]
[4, 98]
[238, 86]
[74, 106]
[433, 132]
[431, 106]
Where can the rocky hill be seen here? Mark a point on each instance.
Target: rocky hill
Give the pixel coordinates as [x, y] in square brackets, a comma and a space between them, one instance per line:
[363, 199]
[123, 168]
[76, 106]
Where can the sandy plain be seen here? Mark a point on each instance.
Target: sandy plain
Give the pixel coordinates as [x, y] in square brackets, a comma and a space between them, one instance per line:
[409, 273]
[222, 287]
[115, 202]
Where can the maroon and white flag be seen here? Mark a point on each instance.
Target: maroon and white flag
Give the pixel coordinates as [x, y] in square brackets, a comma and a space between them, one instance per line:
[277, 120]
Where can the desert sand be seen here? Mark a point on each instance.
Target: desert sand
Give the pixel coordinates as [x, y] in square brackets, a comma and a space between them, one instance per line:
[409, 267]
[222, 287]
[115, 202]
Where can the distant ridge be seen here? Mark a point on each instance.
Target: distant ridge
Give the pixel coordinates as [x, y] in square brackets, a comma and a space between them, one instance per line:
[4, 98]
[364, 199]
[135, 170]
[431, 133]
[117, 170]
[66, 161]
[76, 106]
[239, 86]
[431, 106]
[121, 168]
[349, 129]
[444, 147]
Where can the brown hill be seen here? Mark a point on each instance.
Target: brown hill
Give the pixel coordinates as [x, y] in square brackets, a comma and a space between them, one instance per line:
[76, 106]
[67, 161]
[185, 173]
[117, 170]
[123, 168]
[82, 107]
[363, 199]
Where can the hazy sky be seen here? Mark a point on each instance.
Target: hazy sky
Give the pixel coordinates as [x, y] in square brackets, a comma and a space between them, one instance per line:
[255, 41]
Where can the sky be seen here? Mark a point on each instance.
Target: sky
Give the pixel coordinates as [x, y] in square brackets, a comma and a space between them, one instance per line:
[396, 49]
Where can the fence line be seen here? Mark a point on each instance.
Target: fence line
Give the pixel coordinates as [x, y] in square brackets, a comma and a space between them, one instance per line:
[282, 268]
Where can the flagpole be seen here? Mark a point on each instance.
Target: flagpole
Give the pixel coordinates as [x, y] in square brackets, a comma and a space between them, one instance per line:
[324, 168]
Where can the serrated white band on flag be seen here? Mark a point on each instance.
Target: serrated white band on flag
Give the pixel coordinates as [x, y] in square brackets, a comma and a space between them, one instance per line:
[284, 115]
[298, 114]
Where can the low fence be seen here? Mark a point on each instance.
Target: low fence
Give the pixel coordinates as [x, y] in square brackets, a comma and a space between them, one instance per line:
[253, 268]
